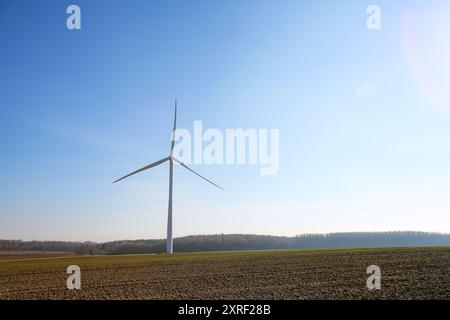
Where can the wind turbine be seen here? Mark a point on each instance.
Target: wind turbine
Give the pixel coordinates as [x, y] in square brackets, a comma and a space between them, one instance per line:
[171, 159]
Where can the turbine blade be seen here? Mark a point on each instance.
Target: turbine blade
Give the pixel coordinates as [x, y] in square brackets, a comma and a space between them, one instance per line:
[154, 164]
[175, 159]
[174, 127]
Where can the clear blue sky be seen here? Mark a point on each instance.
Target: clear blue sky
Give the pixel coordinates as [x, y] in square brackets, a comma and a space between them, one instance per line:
[364, 116]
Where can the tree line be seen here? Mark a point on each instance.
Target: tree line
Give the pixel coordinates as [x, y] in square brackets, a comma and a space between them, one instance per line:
[228, 242]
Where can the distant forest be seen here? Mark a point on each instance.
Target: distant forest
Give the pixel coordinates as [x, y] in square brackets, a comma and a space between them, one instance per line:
[227, 242]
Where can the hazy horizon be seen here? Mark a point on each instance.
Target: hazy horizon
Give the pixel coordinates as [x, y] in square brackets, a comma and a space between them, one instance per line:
[227, 234]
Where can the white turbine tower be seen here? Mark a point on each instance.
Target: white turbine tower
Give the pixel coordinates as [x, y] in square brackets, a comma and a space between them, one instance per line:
[171, 159]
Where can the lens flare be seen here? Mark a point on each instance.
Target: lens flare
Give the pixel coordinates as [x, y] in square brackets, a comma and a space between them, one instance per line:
[426, 43]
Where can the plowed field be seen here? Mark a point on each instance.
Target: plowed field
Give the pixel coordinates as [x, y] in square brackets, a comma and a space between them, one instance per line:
[406, 273]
